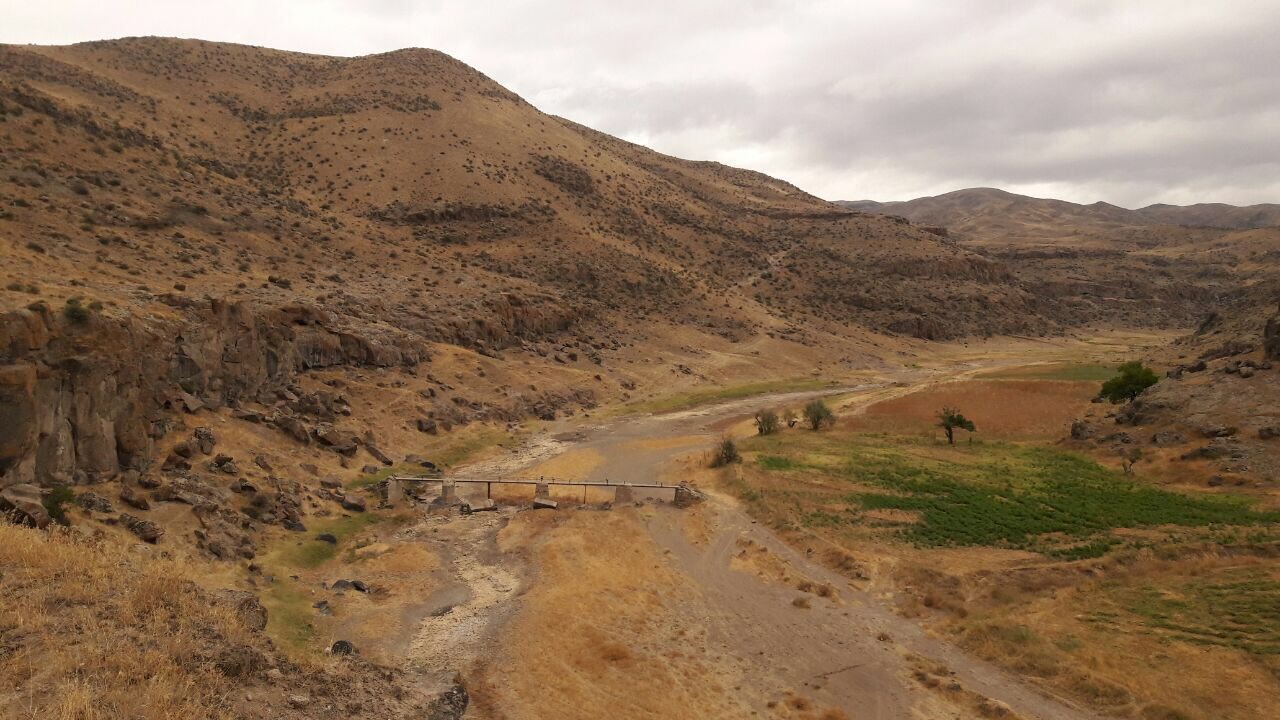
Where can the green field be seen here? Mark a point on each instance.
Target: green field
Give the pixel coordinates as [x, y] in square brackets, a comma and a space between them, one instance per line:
[1073, 372]
[991, 494]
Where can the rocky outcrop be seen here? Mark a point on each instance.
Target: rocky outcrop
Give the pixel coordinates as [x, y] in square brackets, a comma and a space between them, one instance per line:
[80, 402]
[1271, 338]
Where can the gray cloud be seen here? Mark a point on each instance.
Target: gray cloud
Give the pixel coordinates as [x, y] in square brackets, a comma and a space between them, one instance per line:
[1134, 102]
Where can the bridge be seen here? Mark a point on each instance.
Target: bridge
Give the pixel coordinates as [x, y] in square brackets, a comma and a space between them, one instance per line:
[622, 492]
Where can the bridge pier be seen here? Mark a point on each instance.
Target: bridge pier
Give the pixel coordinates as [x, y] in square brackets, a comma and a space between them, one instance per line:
[542, 491]
[623, 494]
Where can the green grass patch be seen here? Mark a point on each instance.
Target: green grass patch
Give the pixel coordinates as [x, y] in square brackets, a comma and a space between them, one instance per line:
[1075, 372]
[986, 494]
[289, 614]
[694, 398]
[1028, 492]
[309, 552]
[777, 462]
[1241, 612]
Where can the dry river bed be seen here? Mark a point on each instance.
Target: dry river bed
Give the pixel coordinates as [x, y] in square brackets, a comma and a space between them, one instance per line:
[646, 610]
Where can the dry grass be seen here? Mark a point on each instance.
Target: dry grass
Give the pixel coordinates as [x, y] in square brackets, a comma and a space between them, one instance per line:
[604, 627]
[93, 629]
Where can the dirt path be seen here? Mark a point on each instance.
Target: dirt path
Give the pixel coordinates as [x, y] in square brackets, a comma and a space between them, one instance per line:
[848, 652]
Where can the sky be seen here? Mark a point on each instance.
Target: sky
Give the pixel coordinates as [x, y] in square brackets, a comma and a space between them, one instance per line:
[1131, 102]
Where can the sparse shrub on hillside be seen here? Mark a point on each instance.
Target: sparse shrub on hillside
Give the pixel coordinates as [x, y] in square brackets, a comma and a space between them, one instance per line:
[818, 415]
[950, 419]
[726, 454]
[1128, 384]
[55, 503]
[76, 312]
[766, 422]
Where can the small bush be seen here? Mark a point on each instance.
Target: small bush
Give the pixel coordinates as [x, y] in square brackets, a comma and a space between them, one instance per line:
[76, 312]
[818, 415]
[766, 422]
[55, 503]
[726, 454]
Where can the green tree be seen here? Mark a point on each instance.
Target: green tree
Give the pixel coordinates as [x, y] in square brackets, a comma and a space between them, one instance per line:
[817, 414]
[1133, 377]
[766, 422]
[949, 419]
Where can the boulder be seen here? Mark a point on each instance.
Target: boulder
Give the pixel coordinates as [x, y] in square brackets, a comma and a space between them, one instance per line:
[133, 499]
[1269, 433]
[205, 440]
[377, 454]
[248, 609]
[94, 502]
[342, 647]
[543, 503]
[354, 504]
[144, 529]
[1168, 437]
[474, 506]
[23, 504]
[1081, 430]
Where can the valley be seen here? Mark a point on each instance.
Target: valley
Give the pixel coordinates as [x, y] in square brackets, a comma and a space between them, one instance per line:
[245, 291]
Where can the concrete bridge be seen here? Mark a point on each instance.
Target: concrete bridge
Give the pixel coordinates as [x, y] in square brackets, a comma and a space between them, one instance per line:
[622, 492]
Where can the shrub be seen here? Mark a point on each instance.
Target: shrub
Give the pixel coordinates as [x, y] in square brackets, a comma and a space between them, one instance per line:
[1128, 384]
[818, 415]
[726, 454]
[56, 501]
[76, 312]
[766, 422]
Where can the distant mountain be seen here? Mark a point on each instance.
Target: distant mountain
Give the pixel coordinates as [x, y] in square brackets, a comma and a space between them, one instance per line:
[990, 215]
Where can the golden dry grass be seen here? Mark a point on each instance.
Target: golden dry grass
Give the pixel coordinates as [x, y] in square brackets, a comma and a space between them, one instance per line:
[1003, 409]
[603, 628]
[91, 629]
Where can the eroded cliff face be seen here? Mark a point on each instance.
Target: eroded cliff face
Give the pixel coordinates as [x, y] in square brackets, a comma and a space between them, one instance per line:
[1271, 338]
[83, 401]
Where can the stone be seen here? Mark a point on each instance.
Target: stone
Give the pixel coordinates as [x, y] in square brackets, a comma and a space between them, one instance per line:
[343, 442]
[1270, 432]
[133, 499]
[369, 469]
[450, 704]
[354, 504]
[299, 700]
[1081, 430]
[1168, 437]
[377, 454]
[482, 505]
[249, 610]
[327, 537]
[262, 462]
[23, 504]
[205, 440]
[94, 502]
[543, 503]
[331, 482]
[252, 416]
[144, 529]
[342, 647]
[427, 425]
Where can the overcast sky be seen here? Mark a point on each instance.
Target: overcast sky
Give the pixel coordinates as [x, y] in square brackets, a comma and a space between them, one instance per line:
[1131, 102]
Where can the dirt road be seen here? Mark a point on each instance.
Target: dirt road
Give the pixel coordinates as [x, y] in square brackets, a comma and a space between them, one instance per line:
[847, 652]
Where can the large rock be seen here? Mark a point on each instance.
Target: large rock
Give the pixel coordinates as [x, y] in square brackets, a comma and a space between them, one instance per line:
[23, 504]
[1271, 338]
